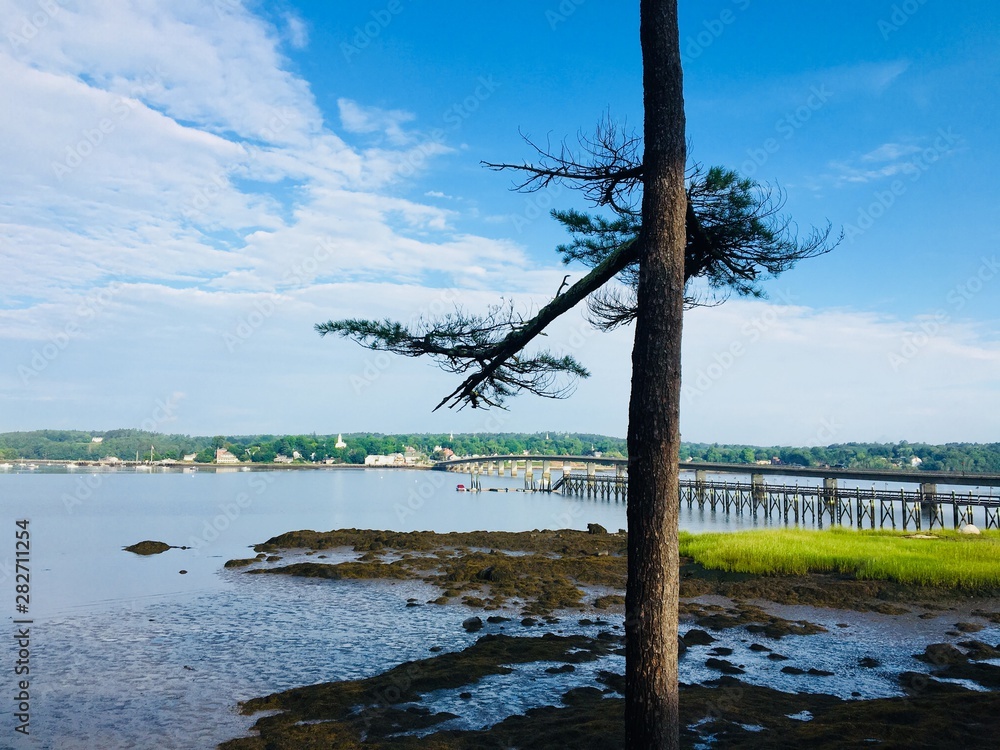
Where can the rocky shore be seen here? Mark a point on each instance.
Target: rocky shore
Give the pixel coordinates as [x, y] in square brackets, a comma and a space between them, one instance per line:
[534, 594]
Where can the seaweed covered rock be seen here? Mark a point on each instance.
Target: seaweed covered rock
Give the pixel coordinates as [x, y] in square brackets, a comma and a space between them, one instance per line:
[473, 624]
[979, 650]
[942, 654]
[697, 637]
[148, 547]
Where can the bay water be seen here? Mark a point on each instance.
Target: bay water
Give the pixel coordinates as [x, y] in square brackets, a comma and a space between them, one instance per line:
[131, 652]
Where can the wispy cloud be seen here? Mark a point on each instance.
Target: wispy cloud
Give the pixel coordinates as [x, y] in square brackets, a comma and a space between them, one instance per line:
[890, 152]
[357, 118]
[296, 31]
[954, 359]
[878, 77]
[909, 158]
[170, 145]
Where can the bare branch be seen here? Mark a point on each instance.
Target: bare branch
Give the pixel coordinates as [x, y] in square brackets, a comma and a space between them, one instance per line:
[609, 174]
[562, 286]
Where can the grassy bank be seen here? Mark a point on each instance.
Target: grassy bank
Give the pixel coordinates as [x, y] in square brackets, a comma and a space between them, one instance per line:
[949, 560]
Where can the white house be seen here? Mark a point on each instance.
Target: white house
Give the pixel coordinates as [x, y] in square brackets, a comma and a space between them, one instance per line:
[222, 456]
[393, 459]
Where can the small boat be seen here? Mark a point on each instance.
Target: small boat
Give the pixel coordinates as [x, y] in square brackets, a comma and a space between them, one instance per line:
[460, 488]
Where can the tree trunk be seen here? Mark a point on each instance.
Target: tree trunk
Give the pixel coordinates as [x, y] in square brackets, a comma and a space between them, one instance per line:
[651, 694]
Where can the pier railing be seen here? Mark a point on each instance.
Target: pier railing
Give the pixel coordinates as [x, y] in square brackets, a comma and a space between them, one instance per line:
[845, 506]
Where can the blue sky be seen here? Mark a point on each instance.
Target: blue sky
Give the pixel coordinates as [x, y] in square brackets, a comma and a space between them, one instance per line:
[189, 186]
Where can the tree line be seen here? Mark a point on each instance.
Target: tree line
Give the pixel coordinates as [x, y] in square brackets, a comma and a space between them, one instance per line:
[126, 444]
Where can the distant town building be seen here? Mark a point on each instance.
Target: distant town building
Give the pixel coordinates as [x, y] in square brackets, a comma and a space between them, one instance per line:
[223, 456]
[97, 440]
[393, 459]
[296, 455]
[279, 459]
[340, 442]
[190, 457]
[915, 462]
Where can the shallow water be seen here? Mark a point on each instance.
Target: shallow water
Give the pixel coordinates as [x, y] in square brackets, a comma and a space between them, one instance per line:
[893, 640]
[128, 652]
[168, 674]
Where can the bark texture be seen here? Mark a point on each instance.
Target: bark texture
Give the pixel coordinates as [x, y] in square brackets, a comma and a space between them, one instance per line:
[651, 694]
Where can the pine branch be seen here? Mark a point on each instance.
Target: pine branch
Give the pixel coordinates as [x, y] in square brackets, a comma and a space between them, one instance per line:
[490, 346]
[517, 340]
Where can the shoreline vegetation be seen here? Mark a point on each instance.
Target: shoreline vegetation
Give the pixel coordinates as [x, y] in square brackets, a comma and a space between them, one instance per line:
[126, 444]
[553, 576]
[943, 558]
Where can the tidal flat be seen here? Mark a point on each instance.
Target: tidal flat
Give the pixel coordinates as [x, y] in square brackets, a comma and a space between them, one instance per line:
[824, 659]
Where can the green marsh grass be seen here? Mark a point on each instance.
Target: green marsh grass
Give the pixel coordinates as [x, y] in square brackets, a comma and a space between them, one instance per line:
[949, 560]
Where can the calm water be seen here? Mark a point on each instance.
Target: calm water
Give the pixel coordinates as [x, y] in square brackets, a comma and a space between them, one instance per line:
[81, 521]
[127, 652]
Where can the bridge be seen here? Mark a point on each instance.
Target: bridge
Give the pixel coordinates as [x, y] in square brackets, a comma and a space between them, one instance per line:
[781, 501]
[477, 466]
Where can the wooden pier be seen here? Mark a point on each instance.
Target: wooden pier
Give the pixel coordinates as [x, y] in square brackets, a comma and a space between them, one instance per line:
[821, 502]
[858, 507]
[818, 505]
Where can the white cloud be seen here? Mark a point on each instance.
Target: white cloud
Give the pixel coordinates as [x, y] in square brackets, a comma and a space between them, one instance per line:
[911, 158]
[164, 173]
[168, 144]
[890, 152]
[880, 76]
[357, 118]
[761, 373]
[297, 32]
[754, 372]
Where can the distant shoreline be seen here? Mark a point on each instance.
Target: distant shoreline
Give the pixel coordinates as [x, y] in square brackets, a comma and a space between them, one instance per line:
[63, 463]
